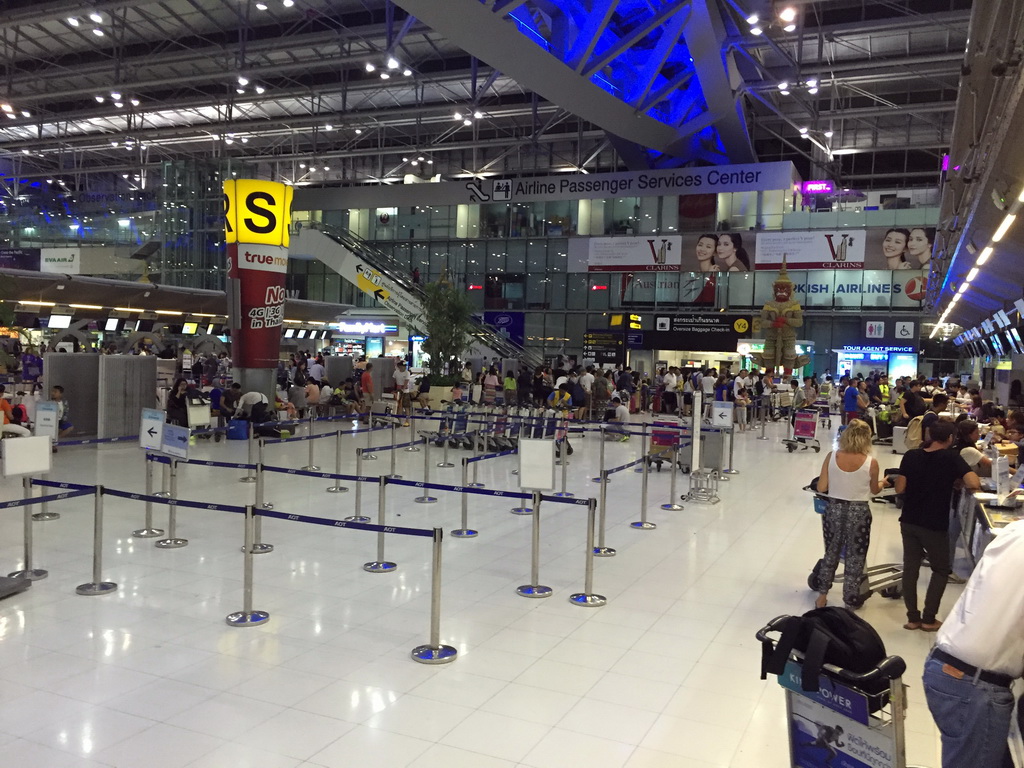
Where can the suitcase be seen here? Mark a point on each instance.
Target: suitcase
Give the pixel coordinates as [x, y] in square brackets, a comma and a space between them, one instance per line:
[238, 429]
[899, 440]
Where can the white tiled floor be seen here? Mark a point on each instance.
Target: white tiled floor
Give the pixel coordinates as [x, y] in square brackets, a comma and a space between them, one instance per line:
[665, 675]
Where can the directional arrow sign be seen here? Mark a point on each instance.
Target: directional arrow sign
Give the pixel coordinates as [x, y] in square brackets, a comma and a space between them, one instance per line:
[151, 429]
[370, 281]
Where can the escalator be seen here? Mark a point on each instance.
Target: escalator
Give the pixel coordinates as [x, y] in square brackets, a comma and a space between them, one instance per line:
[379, 275]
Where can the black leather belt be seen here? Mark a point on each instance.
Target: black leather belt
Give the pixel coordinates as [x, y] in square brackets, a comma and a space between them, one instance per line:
[995, 678]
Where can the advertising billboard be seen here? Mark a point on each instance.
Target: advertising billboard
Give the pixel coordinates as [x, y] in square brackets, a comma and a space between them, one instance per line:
[896, 248]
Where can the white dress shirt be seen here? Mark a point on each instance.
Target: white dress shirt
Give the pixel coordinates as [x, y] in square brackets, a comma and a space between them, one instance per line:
[670, 382]
[986, 626]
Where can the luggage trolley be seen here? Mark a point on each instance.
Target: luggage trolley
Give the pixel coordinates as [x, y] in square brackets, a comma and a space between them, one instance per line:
[824, 412]
[885, 579]
[851, 719]
[805, 430]
[666, 438]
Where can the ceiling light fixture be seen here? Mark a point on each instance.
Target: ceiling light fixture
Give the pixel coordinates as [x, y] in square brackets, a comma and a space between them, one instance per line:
[752, 19]
[243, 80]
[756, 31]
[972, 274]
[135, 102]
[1004, 227]
[788, 14]
[261, 6]
[385, 76]
[393, 63]
[828, 134]
[73, 21]
[115, 95]
[407, 72]
[370, 67]
[100, 99]
[98, 32]
[467, 121]
[789, 28]
[287, 3]
[260, 89]
[96, 16]
[358, 131]
[984, 255]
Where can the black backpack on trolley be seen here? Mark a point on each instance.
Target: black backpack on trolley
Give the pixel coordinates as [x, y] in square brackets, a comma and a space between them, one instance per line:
[830, 635]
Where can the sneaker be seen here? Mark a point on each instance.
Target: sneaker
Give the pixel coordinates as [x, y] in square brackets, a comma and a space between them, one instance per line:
[624, 439]
[954, 579]
[406, 424]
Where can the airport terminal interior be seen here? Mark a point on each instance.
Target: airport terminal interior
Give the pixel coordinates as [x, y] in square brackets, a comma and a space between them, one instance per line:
[289, 294]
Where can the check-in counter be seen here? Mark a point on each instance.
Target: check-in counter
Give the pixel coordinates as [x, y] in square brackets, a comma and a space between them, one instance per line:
[981, 519]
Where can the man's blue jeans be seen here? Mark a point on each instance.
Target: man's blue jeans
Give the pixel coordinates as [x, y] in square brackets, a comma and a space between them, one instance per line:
[973, 718]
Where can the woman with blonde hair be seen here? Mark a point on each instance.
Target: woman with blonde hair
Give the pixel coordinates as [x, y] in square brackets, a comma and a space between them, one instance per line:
[849, 477]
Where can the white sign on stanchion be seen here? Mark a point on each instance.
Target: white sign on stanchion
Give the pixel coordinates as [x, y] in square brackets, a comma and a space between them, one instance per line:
[151, 429]
[721, 414]
[175, 441]
[536, 464]
[47, 417]
[26, 455]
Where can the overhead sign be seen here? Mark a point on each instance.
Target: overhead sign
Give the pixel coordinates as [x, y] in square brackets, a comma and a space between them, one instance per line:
[661, 288]
[717, 332]
[151, 429]
[256, 219]
[565, 186]
[511, 325]
[20, 258]
[46, 419]
[63, 261]
[366, 327]
[634, 254]
[888, 331]
[174, 441]
[388, 293]
[818, 187]
[605, 347]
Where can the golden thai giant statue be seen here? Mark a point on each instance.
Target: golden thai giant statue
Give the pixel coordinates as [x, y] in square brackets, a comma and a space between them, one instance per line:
[780, 318]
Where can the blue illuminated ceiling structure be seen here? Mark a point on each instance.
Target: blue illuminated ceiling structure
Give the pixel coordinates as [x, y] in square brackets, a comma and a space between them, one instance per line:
[657, 74]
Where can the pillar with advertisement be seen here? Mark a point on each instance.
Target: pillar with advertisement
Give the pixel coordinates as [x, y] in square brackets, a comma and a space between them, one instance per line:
[256, 216]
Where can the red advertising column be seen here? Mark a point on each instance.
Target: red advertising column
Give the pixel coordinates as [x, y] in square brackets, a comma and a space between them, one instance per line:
[256, 218]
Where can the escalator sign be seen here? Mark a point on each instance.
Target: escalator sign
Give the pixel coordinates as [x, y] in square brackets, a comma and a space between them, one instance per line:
[370, 281]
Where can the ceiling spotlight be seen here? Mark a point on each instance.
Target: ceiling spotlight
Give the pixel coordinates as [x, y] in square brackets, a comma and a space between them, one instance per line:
[73, 21]
[393, 63]
[327, 168]
[113, 143]
[478, 115]
[812, 90]
[245, 139]
[415, 162]
[119, 104]
[828, 134]
[789, 28]
[261, 6]
[788, 14]
[302, 165]
[783, 86]
[135, 102]
[430, 162]
[420, 158]
[7, 108]
[260, 89]
[287, 3]
[97, 17]
[99, 99]
[802, 130]
[229, 141]
[239, 90]
[407, 72]
[12, 116]
[24, 151]
[756, 31]
[458, 115]
[370, 67]
[784, 93]
[467, 121]
[752, 19]
[115, 94]
[124, 175]
[98, 32]
[812, 83]
[328, 127]
[385, 76]
[405, 159]
[26, 113]
[312, 169]
[243, 80]
[358, 131]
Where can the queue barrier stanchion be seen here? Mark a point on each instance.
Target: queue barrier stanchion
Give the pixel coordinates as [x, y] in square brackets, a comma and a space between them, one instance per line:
[465, 532]
[258, 545]
[444, 463]
[29, 572]
[426, 498]
[247, 617]
[671, 505]
[764, 417]
[601, 550]
[535, 588]
[250, 475]
[147, 531]
[434, 652]
[588, 598]
[368, 454]
[564, 461]
[97, 586]
[600, 471]
[393, 474]
[645, 467]
[729, 468]
[380, 565]
[173, 541]
[412, 447]
[475, 437]
[643, 445]
[44, 514]
[358, 517]
[338, 487]
[165, 482]
[311, 466]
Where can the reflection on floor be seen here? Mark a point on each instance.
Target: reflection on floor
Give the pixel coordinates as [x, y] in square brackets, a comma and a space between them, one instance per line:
[665, 674]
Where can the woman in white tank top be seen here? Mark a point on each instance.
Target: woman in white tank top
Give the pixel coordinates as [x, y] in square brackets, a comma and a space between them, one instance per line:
[849, 477]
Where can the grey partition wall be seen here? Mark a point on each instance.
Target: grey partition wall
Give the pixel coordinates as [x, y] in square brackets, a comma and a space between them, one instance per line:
[78, 373]
[383, 375]
[127, 385]
[338, 368]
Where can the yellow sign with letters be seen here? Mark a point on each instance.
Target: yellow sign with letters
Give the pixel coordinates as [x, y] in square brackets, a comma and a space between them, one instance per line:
[257, 212]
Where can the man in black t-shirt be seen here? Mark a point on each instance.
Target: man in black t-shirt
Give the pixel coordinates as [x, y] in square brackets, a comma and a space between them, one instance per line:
[911, 404]
[926, 480]
[939, 402]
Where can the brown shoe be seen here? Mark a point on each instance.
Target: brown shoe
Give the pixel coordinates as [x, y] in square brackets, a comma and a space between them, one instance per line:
[933, 627]
[912, 625]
